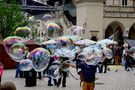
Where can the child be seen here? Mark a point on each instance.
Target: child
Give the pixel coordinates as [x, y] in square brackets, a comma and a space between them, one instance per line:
[8, 86]
[1, 70]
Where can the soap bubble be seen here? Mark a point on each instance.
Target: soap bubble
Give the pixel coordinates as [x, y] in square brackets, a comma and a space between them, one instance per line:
[47, 17]
[40, 58]
[54, 71]
[23, 32]
[9, 41]
[53, 29]
[18, 51]
[25, 65]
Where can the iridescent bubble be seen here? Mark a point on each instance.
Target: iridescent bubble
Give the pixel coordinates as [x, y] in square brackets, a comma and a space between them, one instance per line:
[40, 58]
[77, 30]
[25, 65]
[39, 40]
[18, 51]
[55, 71]
[53, 29]
[23, 32]
[47, 17]
[63, 41]
[9, 41]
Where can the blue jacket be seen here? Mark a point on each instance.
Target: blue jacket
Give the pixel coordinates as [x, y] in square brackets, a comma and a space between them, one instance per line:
[88, 71]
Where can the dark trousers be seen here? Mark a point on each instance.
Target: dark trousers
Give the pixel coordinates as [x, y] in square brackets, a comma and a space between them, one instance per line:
[64, 76]
[50, 79]
[104, 65]
[39, 75]
[0, 79]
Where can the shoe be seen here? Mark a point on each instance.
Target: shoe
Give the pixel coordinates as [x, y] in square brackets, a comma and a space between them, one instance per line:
[50, 84]
[63, 85]
[57, 85]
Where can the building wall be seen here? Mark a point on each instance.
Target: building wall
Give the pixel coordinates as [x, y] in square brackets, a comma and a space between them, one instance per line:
[92, 14]
[96, 23]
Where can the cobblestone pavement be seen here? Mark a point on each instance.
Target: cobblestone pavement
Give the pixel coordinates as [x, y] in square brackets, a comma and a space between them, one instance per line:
[116, 79]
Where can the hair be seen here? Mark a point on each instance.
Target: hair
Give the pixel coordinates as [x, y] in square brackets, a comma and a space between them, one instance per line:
[8, 86]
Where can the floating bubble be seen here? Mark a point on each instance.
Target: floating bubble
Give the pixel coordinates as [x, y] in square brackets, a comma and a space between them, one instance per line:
[18, 51]
[63, 41]
[108, 53]
[9, 41]
[65, 52]
[53, 29]
[47, 17]
[39, 40]
[54, 71]
[23, 32]
[40, 58]
[77, 30]
[25, 65]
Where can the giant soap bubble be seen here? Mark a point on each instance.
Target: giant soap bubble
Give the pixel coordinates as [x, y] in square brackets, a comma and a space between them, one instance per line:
[53, 29]
[25, 65]
[40, 58]
[47, 17]
[18, 51]
[9, 41]
[55, 70]
[23, 32]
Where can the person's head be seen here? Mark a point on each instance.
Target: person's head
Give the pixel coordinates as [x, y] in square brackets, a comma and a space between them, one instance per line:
[8, 86]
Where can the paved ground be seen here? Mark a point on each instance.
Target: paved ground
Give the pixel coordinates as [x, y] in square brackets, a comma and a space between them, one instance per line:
[121, 80]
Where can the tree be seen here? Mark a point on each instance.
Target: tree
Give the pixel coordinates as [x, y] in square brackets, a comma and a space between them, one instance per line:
[11, 17]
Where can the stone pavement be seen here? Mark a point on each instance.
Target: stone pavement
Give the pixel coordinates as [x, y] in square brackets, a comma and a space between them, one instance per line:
[112, 80]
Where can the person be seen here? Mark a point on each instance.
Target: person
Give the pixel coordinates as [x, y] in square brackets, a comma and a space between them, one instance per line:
[1, 71]
[128, 61]
[8, 86]
[52, 59]
[64, 74]
[87, 74]
[17, 70]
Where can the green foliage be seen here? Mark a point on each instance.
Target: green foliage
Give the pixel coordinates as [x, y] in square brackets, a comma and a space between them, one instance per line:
[11, 17]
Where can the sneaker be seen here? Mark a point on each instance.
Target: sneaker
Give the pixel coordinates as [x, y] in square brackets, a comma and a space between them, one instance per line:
[50, 84]
[63, 85]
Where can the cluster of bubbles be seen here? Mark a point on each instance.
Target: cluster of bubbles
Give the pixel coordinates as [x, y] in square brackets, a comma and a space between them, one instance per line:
[63, 50]
[37, 59]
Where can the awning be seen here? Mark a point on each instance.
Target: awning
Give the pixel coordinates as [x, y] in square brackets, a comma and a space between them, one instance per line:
[131, 42]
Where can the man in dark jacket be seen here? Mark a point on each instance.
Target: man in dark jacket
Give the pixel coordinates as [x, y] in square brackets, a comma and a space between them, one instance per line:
[88, 72]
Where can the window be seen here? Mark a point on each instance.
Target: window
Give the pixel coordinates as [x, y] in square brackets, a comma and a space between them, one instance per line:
[124, 2]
